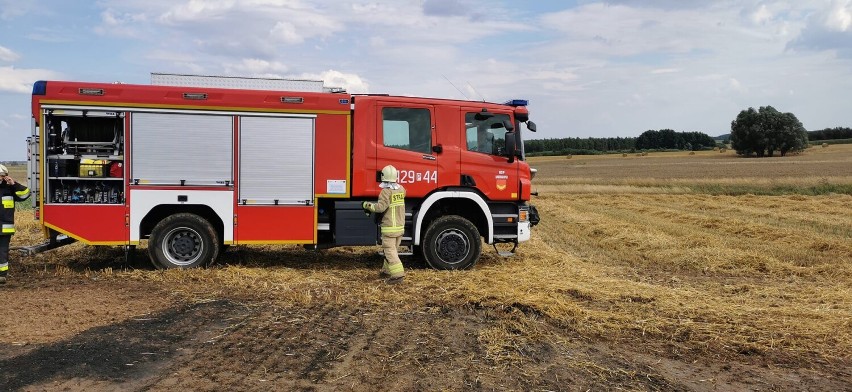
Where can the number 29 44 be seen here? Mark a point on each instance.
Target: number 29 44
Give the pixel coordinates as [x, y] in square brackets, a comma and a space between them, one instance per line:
[410, 176]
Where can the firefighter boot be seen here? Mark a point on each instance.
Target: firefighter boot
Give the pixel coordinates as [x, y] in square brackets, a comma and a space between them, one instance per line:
[395, 273]
[3, 276]
[384, 273]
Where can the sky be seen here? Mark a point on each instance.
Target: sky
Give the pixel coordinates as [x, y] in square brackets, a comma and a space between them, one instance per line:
[588, 68]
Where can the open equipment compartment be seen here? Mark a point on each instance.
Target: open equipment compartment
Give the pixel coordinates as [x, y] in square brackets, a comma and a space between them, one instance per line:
[85, 156]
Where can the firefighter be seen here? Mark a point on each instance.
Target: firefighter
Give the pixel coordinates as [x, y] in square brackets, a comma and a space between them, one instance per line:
[10, 192]
[392, 205]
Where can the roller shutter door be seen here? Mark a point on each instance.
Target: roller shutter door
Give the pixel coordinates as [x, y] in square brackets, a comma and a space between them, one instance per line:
[187, 149]
[276, 160]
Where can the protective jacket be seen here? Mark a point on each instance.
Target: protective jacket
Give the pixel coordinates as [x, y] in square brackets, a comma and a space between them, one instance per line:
[10, 194]
[392, 204]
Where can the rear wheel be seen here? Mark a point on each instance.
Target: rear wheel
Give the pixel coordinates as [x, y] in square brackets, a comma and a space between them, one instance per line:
[183, 241]
[451, 243]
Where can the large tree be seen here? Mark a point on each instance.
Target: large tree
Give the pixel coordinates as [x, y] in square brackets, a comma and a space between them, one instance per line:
[764, 131]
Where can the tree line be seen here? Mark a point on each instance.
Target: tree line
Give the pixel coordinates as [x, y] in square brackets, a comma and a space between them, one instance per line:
[579, 146]
[761, 132]
[831, 134]
[665, 139]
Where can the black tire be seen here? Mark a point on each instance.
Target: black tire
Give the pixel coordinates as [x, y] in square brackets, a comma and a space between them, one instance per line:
[451, 243]
[183, 241]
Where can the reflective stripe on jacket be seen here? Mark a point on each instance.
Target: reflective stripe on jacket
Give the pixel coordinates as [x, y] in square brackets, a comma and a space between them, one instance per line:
[392, 203]
[9, 194]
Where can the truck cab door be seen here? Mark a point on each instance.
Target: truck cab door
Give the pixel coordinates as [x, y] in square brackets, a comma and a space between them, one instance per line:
[484, 163]
[405, 136]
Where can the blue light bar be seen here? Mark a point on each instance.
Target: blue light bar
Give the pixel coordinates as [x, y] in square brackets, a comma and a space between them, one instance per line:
[40, 88]
[518, 102]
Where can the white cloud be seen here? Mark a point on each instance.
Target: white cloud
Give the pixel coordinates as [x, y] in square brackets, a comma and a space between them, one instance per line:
[761, 15]
[659, 71]
[829, 28]
[197, 9]
[735, 85]
[840, 16]
[353, 83]
[285, 32]
[256, 67]
[21, 80]
[122, 24]
[7, 54]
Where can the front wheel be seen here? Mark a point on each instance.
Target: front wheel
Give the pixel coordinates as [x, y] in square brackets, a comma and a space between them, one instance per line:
[183, 241]
[451, 243]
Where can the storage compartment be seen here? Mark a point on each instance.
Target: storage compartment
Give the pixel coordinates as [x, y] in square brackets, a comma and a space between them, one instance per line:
[84, 156]
[353, 226]
[86, 192]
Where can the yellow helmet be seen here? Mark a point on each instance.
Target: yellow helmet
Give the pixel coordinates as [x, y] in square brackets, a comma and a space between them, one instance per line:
[389, 174]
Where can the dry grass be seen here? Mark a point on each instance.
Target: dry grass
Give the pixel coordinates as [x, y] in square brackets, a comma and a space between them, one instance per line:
[630, 255]
[817, 171]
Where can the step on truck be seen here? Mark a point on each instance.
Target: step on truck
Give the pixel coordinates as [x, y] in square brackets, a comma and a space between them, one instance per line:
[193, 169]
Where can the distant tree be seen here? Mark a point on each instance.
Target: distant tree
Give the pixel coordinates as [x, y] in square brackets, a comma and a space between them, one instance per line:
[764, 131]
[668, 139]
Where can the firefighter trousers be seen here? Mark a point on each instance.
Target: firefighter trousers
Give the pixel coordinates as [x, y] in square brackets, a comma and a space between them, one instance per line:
[4, 254]
[392, 266]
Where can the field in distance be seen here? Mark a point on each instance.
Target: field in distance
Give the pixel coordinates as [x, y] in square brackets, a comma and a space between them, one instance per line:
[662, 272]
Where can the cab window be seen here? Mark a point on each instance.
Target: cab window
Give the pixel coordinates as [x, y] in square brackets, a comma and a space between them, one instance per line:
[485, 135]
[407, 129]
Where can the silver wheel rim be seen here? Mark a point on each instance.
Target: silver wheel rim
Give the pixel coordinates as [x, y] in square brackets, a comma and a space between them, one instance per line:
[182, 246]
[452, 246]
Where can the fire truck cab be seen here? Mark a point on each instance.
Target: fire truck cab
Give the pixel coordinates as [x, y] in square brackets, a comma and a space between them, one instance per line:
[190, 169]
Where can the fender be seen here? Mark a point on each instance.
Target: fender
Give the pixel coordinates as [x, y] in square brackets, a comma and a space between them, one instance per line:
[145, 200]
[437, 196]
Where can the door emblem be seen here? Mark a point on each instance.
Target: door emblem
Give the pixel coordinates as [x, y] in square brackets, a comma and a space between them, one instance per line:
[501, 181]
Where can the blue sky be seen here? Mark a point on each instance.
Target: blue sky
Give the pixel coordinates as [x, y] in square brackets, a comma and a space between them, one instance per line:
[589, 68]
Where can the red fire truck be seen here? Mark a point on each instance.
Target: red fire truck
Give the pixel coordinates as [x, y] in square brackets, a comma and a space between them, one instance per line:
[193, 169]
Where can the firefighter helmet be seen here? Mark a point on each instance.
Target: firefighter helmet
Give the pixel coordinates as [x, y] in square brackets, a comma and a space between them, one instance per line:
[5, 172]
[389, 174]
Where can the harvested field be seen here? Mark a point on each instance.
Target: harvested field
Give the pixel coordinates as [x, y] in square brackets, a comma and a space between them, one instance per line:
[664, 272]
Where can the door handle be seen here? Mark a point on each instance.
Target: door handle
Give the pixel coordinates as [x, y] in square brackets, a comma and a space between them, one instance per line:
[429, 157]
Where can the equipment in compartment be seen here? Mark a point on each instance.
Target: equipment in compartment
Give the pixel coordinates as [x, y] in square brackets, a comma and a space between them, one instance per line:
[87, 192]
[85, 132]
[94, 167]
[62, 168]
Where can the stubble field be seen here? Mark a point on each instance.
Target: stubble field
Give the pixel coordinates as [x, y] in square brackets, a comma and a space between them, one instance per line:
[664, 272]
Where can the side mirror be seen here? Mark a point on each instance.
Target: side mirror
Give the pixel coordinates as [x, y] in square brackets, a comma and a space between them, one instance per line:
[511, 146]
[531, 126]
[508, 125]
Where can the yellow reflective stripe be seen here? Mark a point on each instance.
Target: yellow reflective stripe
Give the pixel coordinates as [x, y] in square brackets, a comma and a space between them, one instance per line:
[392, 229]
[396, 268]
[8, 229]
[23, 194]
[8, 204]
[5, 267]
